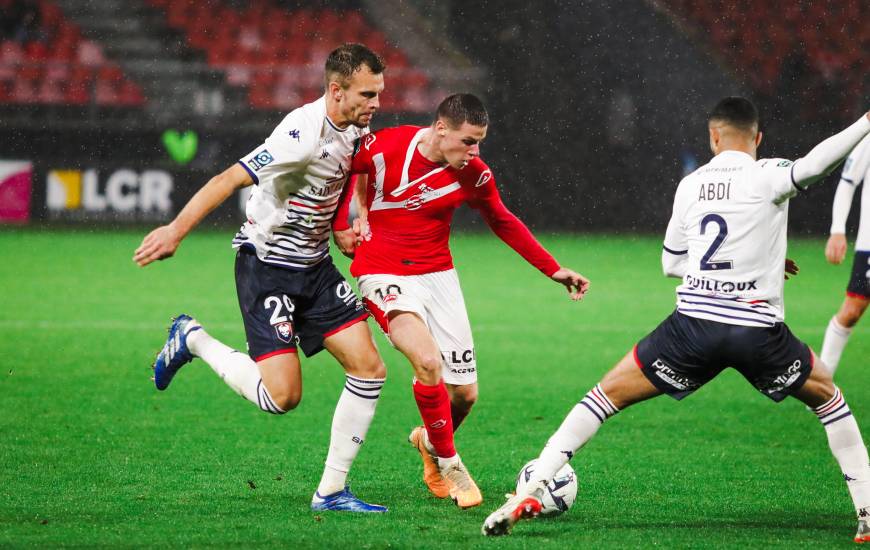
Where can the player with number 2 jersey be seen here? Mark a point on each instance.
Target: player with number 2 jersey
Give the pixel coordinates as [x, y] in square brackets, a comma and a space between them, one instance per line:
[727, 240]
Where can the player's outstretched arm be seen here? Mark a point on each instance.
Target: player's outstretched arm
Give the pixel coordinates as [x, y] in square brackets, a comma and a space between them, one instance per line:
[827, 155]
[577, 284]
[163, 241]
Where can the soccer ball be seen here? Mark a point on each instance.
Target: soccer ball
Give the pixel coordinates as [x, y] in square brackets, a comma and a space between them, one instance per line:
[560, 493]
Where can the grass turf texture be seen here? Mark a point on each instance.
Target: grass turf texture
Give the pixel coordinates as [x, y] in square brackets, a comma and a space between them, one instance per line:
[92, 454]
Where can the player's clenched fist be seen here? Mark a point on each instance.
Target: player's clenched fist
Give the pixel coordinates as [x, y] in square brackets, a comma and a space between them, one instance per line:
[157, 245]
[835, 250]
[576, 284]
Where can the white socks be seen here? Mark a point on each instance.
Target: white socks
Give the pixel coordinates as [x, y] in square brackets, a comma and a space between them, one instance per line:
[353, 413]
[350, 424]
[848, 448]
[836, 337]
[235, 368]
[577, 428]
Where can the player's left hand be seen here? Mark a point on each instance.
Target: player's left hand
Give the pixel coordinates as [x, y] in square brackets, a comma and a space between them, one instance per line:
[791, 268]
[346, 241]
[835, 250]
[576, 284]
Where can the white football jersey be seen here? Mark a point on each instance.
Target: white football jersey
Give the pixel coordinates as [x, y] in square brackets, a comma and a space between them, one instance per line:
[299, 173]
[730, 218]
[855, 172]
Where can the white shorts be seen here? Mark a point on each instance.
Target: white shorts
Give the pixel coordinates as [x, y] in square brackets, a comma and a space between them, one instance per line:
[437, 299]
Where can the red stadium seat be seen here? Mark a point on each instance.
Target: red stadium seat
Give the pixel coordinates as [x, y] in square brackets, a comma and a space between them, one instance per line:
[11, 52]
[834, 47]
[36, 51]
[264, 35]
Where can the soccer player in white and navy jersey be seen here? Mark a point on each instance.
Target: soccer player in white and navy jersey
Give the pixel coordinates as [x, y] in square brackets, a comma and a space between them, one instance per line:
[856, 171]
[414, 179]
[289, 291]
[727, 240]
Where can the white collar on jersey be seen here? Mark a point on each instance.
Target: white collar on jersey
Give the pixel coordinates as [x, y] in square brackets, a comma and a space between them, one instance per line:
[404, 184]
[732, 152]
[322, 105]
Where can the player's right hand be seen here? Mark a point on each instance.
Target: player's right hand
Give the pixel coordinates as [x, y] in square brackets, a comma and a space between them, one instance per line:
[835, 250]
[576, 284]
[157, 245]
[362, 230]
[347, 241]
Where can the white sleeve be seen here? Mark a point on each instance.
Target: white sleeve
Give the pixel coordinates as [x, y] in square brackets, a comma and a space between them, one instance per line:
[675, 250]
[777, 175]
[842, 205]
[288, 149]
[828, 154]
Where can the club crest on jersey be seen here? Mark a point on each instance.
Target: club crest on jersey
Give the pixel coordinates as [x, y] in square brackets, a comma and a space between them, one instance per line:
[261, 159]
[368, 140]
[485, 176]
[284, 331]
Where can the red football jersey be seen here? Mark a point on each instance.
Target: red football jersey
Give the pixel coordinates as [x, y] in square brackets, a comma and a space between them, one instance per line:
[411, 201]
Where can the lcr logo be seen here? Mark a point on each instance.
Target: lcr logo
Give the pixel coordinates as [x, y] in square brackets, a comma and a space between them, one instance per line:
[125, 191]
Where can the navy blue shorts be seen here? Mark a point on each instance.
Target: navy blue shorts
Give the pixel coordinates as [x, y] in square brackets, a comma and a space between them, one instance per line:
[283, 307]
[684, 353]
[859, 282]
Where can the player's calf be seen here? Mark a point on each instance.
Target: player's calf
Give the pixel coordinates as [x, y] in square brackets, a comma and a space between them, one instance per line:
[462, 399]
[847, 446]
[851, 311]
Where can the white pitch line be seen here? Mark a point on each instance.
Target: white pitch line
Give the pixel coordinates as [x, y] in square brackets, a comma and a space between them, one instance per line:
[97, 324]
[58, 324]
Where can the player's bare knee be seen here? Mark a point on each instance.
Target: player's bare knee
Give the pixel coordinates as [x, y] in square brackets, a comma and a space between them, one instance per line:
[427, 368]
[369, 367]
[288, 402]
[286, 399]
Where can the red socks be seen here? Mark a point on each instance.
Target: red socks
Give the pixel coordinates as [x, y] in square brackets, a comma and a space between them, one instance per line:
[434, 405]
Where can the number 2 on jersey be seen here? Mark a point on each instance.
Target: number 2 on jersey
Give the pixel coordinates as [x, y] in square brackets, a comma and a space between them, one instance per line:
[706, 264]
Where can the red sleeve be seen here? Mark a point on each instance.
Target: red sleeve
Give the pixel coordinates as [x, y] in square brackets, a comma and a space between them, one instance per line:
[339, 222]
[362, 154]
[486, 199]
[359, 164]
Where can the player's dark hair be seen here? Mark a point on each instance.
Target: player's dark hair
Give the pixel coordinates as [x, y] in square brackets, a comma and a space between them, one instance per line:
[347, 59]
[459, 108]
[738, 112]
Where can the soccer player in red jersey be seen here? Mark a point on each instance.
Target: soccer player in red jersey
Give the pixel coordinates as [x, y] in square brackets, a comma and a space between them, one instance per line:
[412, 180]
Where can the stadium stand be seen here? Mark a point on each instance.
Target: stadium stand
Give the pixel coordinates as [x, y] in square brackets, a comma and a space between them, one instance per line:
[276, 53]
[778, 50]
[44, 60]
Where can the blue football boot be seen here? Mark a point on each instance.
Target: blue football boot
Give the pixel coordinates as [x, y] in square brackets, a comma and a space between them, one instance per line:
[343, 501]
[174, 354]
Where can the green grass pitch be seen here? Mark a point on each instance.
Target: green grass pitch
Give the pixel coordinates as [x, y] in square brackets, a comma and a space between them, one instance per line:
[91, 454]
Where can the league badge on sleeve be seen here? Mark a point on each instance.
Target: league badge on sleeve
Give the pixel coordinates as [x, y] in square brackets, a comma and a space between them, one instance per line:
[261, 159]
